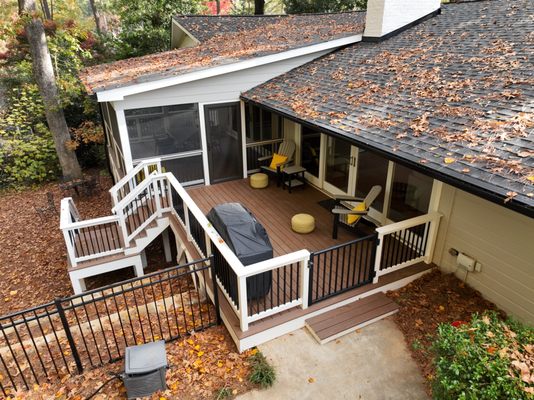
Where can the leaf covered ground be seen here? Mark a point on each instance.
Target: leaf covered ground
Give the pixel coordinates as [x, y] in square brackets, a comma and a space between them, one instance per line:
[33, 257]
[201, 366]
[433, 299]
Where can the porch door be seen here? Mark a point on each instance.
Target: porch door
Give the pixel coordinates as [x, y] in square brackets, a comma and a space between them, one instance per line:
[340, 166]
[223, 137]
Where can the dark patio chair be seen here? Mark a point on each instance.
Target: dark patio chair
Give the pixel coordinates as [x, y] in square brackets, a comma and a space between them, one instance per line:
[349, 210]
[49, 208]
[287, 150]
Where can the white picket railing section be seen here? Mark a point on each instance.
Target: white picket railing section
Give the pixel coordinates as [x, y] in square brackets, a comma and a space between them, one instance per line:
[406, 243]
[137, 203]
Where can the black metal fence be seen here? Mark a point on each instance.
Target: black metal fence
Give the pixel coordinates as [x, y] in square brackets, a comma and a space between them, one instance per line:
[91, 329]
[342, 267]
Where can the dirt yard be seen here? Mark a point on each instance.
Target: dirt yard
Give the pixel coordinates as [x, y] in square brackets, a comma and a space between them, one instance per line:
[429, 301]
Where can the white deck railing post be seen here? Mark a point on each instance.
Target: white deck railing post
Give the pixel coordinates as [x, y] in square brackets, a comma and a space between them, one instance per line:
[378, 256]
[243, 305]
[305, 279]
[70, 247]
[187, 223]
[157, 198]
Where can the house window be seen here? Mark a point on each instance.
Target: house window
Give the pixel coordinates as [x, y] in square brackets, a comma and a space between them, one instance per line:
[372, 170]
[311, 149]
[159, 131]
[410, 194]
[262, 125]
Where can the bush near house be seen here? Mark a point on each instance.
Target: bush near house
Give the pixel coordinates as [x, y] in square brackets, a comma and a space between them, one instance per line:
[484, 359]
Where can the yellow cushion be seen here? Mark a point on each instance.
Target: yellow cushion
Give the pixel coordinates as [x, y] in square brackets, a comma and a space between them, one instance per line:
[303, 223]
[277, 159]
[352, 219]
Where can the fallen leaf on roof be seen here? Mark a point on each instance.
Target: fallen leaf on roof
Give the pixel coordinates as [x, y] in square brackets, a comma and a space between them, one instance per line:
[510, 195]
[449, 160]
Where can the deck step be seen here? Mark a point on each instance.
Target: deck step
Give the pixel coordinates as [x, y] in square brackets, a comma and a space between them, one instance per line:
[340, 321]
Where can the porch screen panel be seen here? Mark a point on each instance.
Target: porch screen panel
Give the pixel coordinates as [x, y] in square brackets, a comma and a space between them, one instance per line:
[410, 194]
[160, 131]
[262, 125]
[188, 170]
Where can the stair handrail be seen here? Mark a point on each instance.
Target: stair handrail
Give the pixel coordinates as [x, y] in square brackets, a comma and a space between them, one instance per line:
[130, 178]
[135, 192]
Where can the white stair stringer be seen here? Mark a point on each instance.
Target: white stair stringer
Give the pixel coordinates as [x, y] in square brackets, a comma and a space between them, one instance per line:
[150, 233]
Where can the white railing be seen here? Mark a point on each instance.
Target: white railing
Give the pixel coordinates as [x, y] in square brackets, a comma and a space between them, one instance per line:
[193, 215]
[89, 239]
[133, 178]
[406, 243]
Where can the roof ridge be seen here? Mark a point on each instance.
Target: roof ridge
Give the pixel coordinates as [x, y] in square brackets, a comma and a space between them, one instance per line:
[270, 15]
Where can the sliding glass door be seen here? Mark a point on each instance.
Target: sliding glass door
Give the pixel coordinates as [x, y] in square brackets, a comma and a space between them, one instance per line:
[339, 166]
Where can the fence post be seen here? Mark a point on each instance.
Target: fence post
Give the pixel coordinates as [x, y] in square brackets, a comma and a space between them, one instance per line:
[215, 288]
[68, 333]
[378, 256]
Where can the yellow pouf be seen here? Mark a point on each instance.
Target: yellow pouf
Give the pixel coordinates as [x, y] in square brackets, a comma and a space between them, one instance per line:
[303, 223]
[259, 181]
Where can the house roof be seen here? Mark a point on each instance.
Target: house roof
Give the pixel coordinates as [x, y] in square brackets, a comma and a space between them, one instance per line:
[272, 36]
[205, 27]
[452, 97]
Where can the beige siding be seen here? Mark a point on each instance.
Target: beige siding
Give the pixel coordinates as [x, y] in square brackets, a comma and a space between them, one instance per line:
[501, 239]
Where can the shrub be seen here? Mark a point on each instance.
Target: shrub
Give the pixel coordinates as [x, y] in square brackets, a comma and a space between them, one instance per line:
[484, 359]
[262, 373]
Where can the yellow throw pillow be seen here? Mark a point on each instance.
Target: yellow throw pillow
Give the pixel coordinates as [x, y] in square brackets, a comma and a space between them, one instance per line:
[277, 160]
[352, 219]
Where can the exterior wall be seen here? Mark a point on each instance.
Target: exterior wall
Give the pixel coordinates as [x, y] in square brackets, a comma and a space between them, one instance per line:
[222, 88]
[385, 16]
[113, 143]
[501, 239]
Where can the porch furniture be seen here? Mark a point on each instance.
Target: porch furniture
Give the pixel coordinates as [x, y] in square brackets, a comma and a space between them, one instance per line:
[49, 208]
[293, 177]
[351, 214]
[259, 180]
[276, 164]
[303, 223]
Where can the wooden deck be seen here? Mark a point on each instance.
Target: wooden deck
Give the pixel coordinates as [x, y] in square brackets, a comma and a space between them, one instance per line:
[274, 207]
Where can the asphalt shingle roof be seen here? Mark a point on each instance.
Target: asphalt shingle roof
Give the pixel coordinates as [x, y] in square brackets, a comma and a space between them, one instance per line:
[205, 27]
[452, 96]
[225, 47]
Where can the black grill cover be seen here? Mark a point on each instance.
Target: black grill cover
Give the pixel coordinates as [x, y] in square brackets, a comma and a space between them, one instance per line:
[248, 240]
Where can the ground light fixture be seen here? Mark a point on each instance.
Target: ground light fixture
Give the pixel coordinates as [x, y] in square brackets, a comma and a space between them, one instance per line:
[144, 370]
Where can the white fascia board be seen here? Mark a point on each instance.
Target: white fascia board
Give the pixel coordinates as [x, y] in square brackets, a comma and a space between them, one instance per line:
[118, 94]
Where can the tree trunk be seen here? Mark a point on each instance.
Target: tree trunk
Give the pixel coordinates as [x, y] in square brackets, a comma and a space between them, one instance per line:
[100, 26]
[44, 75]
[218, 3]
[259, 7]
[46, 9]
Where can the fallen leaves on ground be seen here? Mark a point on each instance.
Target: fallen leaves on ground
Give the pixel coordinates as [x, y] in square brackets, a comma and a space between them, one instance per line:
[200, 366]
[429, 301]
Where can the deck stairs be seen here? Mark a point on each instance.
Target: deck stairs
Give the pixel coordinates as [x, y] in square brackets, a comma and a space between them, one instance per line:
[343, 320]
[141, 212]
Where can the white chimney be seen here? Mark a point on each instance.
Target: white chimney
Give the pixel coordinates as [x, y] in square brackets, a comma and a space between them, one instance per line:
[386, 16]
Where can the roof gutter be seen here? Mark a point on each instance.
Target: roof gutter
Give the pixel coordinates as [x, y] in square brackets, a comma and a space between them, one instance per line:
[483, 191]
[119, 93]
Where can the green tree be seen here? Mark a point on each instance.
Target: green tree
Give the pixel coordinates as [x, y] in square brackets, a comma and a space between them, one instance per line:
[322, 6]
[145, 24]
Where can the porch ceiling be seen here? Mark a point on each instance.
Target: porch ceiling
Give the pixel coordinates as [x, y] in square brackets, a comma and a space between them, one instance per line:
[274, 207]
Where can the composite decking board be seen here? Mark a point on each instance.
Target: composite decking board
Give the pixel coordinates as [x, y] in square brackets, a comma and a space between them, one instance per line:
[352, 323]
[351, 315]
[374, 300]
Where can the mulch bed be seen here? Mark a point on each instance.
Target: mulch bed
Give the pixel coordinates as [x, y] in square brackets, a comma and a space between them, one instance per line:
[433, 299]
[200, 366]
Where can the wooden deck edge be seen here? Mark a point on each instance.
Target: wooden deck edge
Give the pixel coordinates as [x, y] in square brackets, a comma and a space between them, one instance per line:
[259, 338]
[349, 330]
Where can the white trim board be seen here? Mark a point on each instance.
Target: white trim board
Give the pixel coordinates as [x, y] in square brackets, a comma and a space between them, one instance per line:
[118, 94]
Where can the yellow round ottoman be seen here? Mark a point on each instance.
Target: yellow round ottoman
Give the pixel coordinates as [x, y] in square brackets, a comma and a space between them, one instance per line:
[303, 223]
[259, 181]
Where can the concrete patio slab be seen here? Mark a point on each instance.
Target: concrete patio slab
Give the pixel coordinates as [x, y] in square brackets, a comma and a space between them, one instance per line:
[373, 363]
